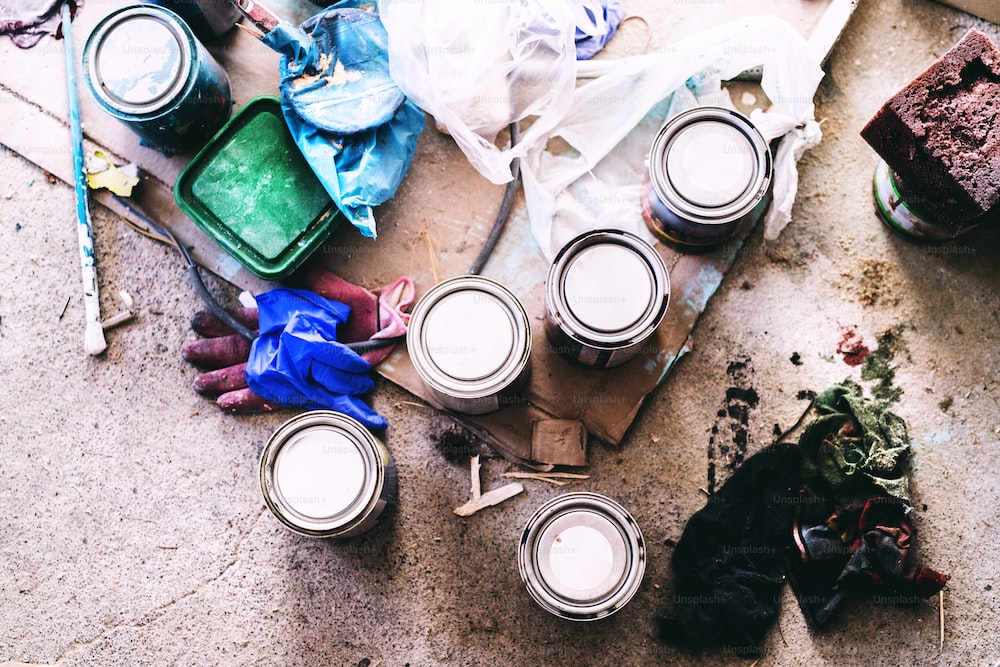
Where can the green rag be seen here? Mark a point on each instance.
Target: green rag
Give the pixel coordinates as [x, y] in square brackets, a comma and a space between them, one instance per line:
[855, 442]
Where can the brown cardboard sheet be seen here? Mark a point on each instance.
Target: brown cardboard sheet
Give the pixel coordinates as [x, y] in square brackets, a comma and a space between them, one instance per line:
[435, 225]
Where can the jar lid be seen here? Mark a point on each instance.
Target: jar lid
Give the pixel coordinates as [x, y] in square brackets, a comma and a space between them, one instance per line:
[582, 556]
[320, 472]
[608, 287]
[710, 165]
[468, 337]
[139, 59]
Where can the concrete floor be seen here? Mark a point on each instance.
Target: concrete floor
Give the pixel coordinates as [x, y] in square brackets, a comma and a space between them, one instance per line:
[133, 530]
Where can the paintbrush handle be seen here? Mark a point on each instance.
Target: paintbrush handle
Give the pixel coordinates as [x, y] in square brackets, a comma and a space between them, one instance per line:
[94, 342]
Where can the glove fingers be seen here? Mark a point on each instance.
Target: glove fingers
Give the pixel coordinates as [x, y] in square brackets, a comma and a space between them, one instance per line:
[221, 380]
[243, 401]
[339, 381]
[206, 323]
[217, 352]
[352, 406]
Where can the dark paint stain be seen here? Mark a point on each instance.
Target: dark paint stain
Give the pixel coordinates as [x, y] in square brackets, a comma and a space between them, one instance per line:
[730, 439]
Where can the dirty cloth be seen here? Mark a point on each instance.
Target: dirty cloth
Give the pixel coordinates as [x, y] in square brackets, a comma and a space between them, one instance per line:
[729, 564]
[855, 446]
[799, 510]
[297, 360]
[596, 23]
[857, 552]
[28, 21]
[352, 123]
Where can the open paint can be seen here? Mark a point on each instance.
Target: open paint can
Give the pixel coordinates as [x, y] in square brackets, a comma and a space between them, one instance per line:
[581, 556]
[708, 180]
[606, 294]
[144, 66]
[469, 340]
[323, 474]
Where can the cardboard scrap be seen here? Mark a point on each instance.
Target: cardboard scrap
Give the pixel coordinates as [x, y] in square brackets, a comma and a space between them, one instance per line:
[559, 442]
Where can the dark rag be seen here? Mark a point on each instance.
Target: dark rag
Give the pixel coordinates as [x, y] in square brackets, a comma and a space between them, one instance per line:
[829, 511]
[730, 560]
[859, 552]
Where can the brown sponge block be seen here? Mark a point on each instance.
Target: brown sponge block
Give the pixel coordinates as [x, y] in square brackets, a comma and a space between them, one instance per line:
[940, 134]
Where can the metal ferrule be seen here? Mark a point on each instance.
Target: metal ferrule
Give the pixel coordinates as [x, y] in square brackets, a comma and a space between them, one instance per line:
[323, 474]
[469, 339]
[605, 296]
[708, 179]
[581, 556]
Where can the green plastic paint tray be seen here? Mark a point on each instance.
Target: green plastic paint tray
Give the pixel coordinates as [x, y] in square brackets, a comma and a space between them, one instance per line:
[254, 194]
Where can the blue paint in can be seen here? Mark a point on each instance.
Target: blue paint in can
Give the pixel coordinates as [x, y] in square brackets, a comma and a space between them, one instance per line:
[144, 66]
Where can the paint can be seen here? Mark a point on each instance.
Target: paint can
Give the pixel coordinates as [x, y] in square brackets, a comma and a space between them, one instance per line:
[581, 556]
[903, 214]
[605, 296]
[143, 66]
[209, 19]
[708, 178]
[469, 339]
[323, 474]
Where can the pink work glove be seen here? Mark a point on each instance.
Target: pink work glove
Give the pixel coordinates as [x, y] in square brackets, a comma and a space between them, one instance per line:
[374, 315]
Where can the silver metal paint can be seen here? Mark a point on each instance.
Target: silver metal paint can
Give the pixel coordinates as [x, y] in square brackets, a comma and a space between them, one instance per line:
[708, 178]
[606, 294]
[144, 66]
[323, 474]
[469, 339]
[581, 556]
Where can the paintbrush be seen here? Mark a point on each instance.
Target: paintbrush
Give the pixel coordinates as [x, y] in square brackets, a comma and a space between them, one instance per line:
[94, 342]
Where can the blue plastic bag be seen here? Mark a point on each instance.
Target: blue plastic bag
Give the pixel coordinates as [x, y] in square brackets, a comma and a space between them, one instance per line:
[296, 360]
[596, 23]
[347, 116]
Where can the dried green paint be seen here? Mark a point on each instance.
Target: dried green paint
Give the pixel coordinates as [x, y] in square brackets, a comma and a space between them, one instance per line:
[878, 367]
[254, 193]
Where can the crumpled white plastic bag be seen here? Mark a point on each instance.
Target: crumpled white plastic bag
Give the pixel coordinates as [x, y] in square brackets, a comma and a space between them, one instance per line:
[606, 125]
[615, 115]
[477, 66]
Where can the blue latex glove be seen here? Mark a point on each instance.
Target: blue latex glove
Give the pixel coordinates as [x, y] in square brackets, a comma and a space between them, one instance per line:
[297, 361]
[344, 111]
[596, 23]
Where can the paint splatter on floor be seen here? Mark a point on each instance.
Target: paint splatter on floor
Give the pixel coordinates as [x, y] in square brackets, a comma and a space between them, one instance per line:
[730, 439]
[852, 347]
[456, 444]
[879, 369]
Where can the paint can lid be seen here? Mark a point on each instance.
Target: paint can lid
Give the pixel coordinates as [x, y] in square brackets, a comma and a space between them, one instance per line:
[609, 287]
[320, 472]
[139, 59]
[710, 164]
[582, 556]
[469, 337]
